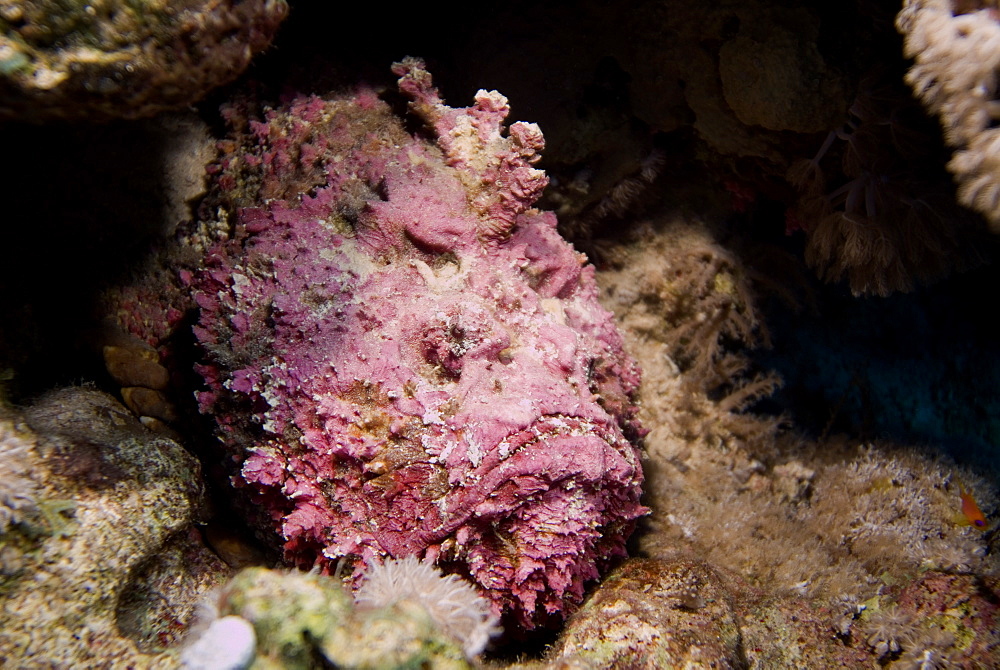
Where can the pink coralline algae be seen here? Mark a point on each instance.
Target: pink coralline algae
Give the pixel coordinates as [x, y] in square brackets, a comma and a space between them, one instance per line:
[406, 359]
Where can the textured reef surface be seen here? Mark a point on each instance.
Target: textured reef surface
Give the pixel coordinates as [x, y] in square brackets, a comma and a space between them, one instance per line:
[405, 358]
[99, 563]
[382, 418]
[113, 60]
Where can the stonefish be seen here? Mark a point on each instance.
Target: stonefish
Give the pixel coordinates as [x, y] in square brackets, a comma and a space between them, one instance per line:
[403, 357]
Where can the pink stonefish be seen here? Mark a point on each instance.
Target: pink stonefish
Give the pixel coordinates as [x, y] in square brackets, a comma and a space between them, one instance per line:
[405, 357]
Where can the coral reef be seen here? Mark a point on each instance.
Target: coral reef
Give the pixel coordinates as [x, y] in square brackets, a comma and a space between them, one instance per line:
[308, 620]
[99, 561]
[946, 618]
[748, 92]
[875, 202]
[737, 86]
[689, 315]
[956, 53]
[121, 59]
[654, 614]
[682, 612]
[405, 373]
[728, 488]
[406, 359]
[814, 531]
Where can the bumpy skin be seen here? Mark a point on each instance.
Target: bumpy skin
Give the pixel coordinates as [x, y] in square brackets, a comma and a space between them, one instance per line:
[406, 359]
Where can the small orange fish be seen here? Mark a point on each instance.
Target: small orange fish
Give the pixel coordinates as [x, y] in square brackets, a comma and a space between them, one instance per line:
[971, 510]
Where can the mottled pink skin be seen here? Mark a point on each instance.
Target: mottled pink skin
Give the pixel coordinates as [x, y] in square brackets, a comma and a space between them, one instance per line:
[398, 373]
[496, 170]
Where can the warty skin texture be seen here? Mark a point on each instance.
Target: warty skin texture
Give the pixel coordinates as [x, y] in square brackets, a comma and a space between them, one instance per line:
[404, 358]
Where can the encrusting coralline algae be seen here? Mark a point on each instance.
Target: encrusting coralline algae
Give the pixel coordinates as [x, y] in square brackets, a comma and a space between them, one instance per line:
[405, 358]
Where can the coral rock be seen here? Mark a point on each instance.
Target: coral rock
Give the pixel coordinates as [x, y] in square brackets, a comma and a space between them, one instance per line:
[405, 358]
[655, 614]
[115, 59]
[99, 563]
[306, 620]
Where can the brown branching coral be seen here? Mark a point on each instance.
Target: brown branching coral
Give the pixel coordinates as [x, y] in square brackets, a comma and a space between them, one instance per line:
[689, 316]
[871, 198]
[689, 293]
[686, 307]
